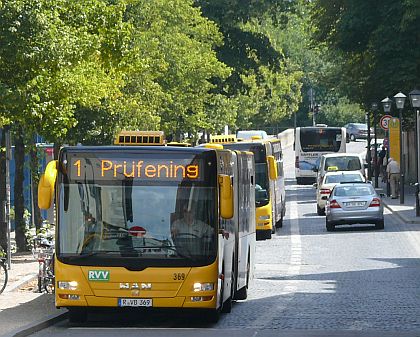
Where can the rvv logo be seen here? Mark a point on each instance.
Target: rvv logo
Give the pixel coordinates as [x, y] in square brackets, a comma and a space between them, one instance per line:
[98, 275]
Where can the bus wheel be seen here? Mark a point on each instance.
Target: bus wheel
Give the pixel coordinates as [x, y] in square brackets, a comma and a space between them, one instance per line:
[77, 315]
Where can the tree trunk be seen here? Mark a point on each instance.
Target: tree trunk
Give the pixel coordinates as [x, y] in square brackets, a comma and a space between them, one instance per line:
[3, 224]
[19, 201]
[36, 212]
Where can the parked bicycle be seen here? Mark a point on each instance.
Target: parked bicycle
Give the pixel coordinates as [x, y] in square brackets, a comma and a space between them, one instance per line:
[3, 271]
[43, 251]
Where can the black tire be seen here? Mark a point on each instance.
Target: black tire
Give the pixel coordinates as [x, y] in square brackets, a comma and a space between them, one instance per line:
[380, 224]
[330, 227]
[49, 285]
[319, 210]
[77, 315]
[352, 138]
[3, 277]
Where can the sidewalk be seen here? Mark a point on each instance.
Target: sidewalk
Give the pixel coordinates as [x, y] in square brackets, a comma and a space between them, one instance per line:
[407, 211]
[21, 307]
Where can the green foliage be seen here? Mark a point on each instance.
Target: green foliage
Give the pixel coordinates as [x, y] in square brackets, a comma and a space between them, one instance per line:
[340, 113]
[377, 41]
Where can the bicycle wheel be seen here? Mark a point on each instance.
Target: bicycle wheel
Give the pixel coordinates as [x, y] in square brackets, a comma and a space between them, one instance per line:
[49, 284]
[3, 276]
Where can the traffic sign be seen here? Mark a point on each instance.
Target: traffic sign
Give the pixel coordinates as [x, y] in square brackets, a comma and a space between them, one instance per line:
[385, 121]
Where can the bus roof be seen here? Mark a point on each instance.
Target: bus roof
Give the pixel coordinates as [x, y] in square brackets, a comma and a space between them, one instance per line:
[129, 148]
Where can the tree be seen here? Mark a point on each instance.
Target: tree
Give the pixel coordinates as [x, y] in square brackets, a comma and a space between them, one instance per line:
[378, 43]
[49, 62]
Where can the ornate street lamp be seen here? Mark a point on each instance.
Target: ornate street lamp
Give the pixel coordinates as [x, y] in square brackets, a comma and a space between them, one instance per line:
[415, 103]
[386, 103]
[368, 154]
[375, 122]
[399, 102]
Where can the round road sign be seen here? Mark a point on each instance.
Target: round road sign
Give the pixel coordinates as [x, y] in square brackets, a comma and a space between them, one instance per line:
[384, 121]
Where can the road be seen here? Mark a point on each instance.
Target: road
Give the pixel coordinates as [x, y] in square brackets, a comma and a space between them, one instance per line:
[355, 281]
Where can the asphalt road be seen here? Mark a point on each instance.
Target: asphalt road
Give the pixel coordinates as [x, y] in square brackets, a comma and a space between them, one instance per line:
[355, 281]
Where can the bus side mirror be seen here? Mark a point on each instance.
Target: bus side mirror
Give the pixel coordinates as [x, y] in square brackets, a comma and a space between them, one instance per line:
[226, 196]
[272, 167]
[46, 185]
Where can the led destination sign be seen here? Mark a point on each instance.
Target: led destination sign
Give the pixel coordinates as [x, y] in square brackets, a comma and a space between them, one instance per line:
[140, 169]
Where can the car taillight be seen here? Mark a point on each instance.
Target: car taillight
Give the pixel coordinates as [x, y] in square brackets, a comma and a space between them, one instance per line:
[325, 191]
[297, 162]
[334, 204]
[375, 202]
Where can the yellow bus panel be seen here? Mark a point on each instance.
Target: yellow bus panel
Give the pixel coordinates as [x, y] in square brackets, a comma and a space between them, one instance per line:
[166, 287]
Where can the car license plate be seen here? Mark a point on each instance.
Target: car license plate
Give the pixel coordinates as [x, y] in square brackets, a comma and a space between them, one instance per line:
[135, 302]
[355, 203]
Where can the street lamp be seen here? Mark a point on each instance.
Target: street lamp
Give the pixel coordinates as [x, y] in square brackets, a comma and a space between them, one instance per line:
[386, 103]
[375, 165]
[368, 154]
[415, 103]
[399, 101]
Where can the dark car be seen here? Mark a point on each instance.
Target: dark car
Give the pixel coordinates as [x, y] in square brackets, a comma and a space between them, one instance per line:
[357, 131]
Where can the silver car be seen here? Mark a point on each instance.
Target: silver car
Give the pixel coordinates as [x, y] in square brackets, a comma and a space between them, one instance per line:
[354, 203]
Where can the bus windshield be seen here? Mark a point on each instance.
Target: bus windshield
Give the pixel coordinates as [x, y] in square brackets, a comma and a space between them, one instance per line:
[155, 220]
[320, 139]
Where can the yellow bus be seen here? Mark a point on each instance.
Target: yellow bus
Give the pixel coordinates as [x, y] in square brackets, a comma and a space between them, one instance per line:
[120, 237]
[270, 195]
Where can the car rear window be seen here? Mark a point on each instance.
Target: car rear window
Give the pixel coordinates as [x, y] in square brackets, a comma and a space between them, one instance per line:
[340, 178]
[353, 191]
[344, 163]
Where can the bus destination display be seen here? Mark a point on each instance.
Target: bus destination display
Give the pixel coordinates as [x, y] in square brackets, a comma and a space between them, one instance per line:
[139, 169]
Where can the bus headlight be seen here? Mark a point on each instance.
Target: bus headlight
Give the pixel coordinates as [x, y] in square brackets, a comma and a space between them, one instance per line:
[264, 217]
[72, 285]
[203, 286]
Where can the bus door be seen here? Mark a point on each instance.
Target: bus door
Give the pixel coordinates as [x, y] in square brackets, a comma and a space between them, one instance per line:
[228, 228]
[246, 217]
[279, 188]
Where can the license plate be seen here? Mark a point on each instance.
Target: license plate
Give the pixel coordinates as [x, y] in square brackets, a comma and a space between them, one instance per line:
[135, 302]
[355, 203]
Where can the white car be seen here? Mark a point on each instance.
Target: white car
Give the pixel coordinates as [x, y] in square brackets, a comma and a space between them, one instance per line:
[328, 182]
[339, 162]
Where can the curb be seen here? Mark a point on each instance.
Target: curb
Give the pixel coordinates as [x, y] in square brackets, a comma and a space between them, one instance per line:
[21, 283]
[38, 325]
[400, 216]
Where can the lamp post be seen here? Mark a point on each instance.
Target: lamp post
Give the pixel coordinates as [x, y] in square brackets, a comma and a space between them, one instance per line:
[386, 103]
[368, 154]
[399, 101]
[415, 103]
[375, 165]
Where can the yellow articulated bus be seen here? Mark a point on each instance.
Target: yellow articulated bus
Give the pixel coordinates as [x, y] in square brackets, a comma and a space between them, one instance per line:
[270, 195]
[151, 226]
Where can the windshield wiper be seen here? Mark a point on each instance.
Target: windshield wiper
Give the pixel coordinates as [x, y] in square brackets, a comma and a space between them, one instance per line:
[96, 252]
[172, 248]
